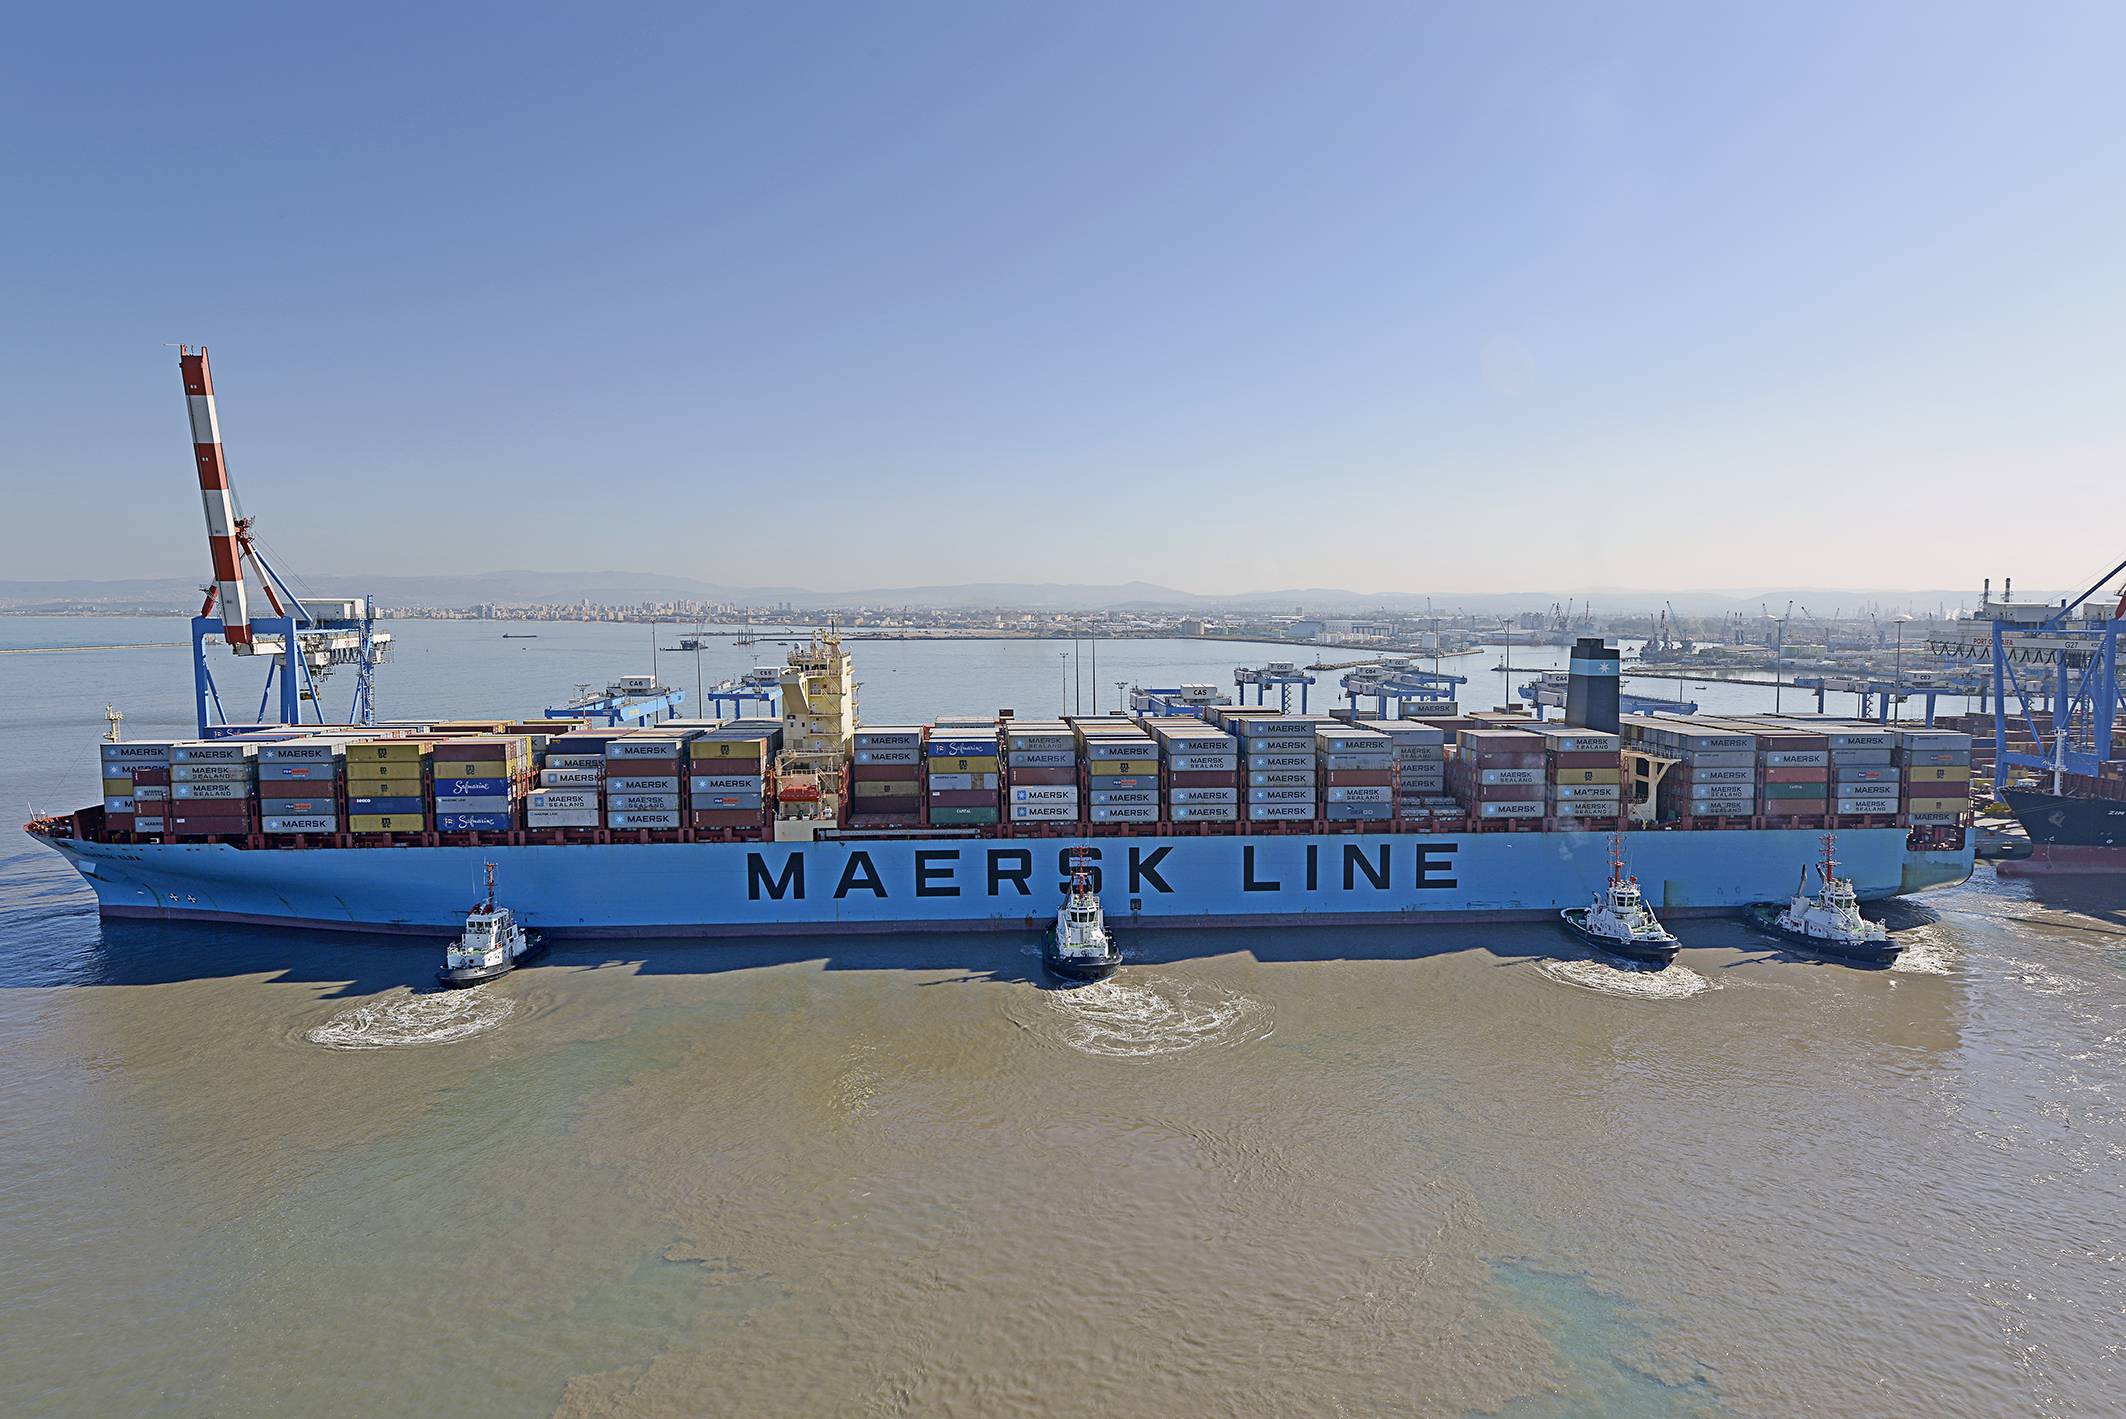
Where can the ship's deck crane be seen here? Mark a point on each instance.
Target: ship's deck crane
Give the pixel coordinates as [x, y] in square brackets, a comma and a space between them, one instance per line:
[305, 638]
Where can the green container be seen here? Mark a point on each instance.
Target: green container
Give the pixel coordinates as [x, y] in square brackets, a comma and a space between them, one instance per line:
[944, 817]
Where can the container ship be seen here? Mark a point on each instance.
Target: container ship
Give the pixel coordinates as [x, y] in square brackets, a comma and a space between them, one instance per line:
[811, 822]
[614, 816]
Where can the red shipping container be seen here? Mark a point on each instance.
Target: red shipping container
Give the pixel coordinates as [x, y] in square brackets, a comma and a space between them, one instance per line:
[152, 774]
[963, 798]
[651, 768]
[1506, 758]
[1783, 773]
[1359, 778]
[296, 788]
[891, 773]
[1579, 759]
[1044, 778]
[118, 822]
[725, 818]
[1206, 778]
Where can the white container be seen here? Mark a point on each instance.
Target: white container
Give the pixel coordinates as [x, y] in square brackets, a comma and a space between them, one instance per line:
[1044, 812]
[1125, 813]
[642, 803]
[1286, 778]
[642, 783]
[315, 824]
[223, 792]
[1281, 795]
[666, 819]
[1204, 813]
[963, 783]
[1509, 810]
[1038, 793]
[561, 817]
[1203, 763]
[559, 800]
[212, 753]
[1267, 763]
[571, 778]
[575, 761]
[1361, 794]
[213, 773]
[1211, 796]
[1508, 778]
[1279, 812]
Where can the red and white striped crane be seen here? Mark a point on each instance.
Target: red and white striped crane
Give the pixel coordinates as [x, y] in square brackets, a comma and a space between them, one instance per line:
[228, 535]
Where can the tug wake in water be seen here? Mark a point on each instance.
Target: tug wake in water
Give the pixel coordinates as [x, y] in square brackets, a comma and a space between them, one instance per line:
[398, 1020]
[1148, 1017]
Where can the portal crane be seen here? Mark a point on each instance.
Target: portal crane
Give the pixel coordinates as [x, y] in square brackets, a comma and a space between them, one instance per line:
[305, 638]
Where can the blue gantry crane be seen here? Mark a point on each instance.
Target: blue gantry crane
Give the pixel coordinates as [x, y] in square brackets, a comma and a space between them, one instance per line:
[1281, 675]
[1401, 684]
[2047, 660]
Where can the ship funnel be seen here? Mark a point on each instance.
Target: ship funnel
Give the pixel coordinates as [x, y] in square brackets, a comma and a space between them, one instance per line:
[1591, 689]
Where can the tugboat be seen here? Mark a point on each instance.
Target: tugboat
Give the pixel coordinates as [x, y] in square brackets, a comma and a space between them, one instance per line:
[1829, 923]
[491, 945]
[1079, 948]
[1619, 919]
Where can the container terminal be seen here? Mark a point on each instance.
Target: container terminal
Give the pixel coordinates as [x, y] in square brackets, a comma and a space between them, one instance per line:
[616, 814]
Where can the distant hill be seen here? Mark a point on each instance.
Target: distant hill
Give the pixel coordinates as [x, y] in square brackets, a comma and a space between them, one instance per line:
[633, 587]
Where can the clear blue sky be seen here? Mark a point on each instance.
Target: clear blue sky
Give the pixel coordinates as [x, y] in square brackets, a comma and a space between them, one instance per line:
[1226, 296]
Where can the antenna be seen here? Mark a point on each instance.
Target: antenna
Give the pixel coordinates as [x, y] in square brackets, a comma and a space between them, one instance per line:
[111, 735]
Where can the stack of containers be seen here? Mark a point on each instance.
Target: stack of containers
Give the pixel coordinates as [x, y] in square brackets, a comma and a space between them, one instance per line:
[1936, 769]
[962, 760]
[1420, 775]
[1280, 763]
[571, 791]
[1041, 772]
[388, 785]
[727, 776]
[1200, 771]
[1121, 764]
[300, 785]
[136, 786]
[1357, 764]
[1498, 774]
[645, 777]
[478, 781]
[1717, 777]
[1864, 778]
[885, 777]
[1583, 775]
[1793, 773]
[213, 788]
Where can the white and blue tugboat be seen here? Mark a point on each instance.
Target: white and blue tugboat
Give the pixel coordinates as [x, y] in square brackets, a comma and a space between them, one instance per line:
[491, 945]
[1619, 920]
[1829, 923]
[1079, 948]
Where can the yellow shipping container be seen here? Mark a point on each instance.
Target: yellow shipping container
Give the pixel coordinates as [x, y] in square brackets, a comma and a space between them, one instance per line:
[1129, 768]
[1937, 805]
[1576, 776]
[886, 788]
[386, 786]
[385, 823]
[478, 768]
[727, 749]
[387, 751]
[117, 787]
[1939, 773]
[978, 764]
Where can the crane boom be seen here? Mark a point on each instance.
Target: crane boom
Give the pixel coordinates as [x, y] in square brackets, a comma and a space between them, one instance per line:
[224, 530]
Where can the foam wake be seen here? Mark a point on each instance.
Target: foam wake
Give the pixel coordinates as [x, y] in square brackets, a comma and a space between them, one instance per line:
[437, 1018]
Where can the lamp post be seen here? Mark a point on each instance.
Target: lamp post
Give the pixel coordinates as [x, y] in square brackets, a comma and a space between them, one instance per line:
[1897, 675]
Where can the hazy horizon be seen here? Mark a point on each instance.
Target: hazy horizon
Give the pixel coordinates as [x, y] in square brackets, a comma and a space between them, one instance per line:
[1228, 298]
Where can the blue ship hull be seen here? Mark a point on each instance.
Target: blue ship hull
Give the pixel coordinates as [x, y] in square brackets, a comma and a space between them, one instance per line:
[761, 889]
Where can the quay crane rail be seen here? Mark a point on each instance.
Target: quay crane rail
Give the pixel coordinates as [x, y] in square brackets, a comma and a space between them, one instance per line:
[305, 639]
